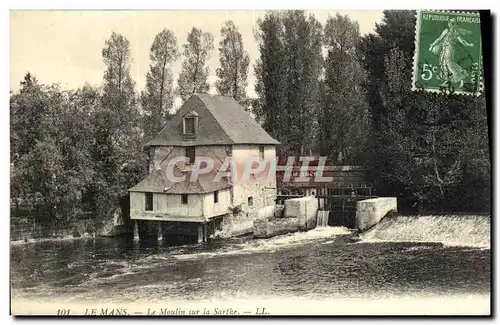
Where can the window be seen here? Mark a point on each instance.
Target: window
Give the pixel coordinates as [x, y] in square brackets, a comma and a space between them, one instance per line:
[189, 125]
[250, 201]
[149, 202]
[184, 198]
[216, 197]
[190, 153]
[261, 151]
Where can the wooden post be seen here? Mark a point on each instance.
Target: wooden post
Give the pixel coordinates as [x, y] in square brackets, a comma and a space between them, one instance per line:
[205, 232]
[160, 232]
[136, 229]
[200, 234]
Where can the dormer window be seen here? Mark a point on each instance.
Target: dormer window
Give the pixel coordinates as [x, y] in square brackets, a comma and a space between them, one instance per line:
[190, 123]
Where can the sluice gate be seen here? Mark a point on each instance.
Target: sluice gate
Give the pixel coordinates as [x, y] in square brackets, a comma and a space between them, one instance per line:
[337, 203]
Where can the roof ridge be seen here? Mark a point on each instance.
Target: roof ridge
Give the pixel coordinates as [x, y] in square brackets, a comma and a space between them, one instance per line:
[214, 114]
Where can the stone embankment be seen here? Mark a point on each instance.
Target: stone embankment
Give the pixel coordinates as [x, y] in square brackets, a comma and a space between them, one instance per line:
[370, 212]
[296, 214]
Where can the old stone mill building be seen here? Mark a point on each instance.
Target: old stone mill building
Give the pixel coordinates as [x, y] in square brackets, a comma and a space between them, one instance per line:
[198, 206]
[209, 126]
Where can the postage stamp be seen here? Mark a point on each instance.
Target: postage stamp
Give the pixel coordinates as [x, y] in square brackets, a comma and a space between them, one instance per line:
[448, 55]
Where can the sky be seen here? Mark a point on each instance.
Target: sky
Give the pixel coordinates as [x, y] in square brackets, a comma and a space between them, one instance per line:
[65, 46]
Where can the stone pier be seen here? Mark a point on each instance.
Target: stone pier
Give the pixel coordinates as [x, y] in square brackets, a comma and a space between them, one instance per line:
[305, 209]
[298, 214]
[370, 212]
[174, 232]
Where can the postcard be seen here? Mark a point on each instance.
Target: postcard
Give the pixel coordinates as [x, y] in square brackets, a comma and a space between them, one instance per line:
[250, 163]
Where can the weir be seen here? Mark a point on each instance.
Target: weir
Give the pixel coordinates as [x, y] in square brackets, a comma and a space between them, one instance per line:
[464, 230]
[370, 212]
[322, 218]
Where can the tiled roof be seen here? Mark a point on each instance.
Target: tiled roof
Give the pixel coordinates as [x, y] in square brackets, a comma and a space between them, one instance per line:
[158, 183]
[221, 121]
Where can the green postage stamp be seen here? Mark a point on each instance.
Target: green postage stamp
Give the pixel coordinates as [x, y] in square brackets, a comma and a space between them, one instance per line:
[448, 54]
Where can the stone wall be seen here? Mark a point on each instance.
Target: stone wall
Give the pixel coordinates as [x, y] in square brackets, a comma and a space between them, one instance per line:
[305, 209]
[237, 224]
[261, 187]
[264, 228]
[370, 212]
[297, 214]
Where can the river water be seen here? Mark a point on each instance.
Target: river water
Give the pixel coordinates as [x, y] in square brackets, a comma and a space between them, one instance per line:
[402, 257]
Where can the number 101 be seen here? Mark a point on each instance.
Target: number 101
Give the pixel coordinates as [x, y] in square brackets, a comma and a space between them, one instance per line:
[62, 312]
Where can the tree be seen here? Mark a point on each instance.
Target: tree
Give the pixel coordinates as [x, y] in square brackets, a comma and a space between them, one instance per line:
[397, 30]
[234, 61]
[50, 163]
[303, 62]
[117, 133]
[158, 97]
[343, 118]
[269, 72]
[288, 78]
[118, 87]
[28, 108]
[428, 149]
[194, 74]
[74, 152]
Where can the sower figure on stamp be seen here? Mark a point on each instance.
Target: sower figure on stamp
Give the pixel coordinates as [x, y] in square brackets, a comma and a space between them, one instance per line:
[444, 46]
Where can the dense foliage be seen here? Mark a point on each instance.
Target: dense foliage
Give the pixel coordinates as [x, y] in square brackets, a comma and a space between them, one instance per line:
[429, 150]
[288, 74]
[194, 74]
[157, 99]
[234, 62]
[323, 89]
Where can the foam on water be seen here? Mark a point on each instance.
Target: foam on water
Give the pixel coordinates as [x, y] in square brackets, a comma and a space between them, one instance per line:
[271, 244]
[451, 230]
[322, 218]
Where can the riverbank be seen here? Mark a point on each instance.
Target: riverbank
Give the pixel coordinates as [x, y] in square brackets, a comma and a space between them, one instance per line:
[85, 236]
[460, 230]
